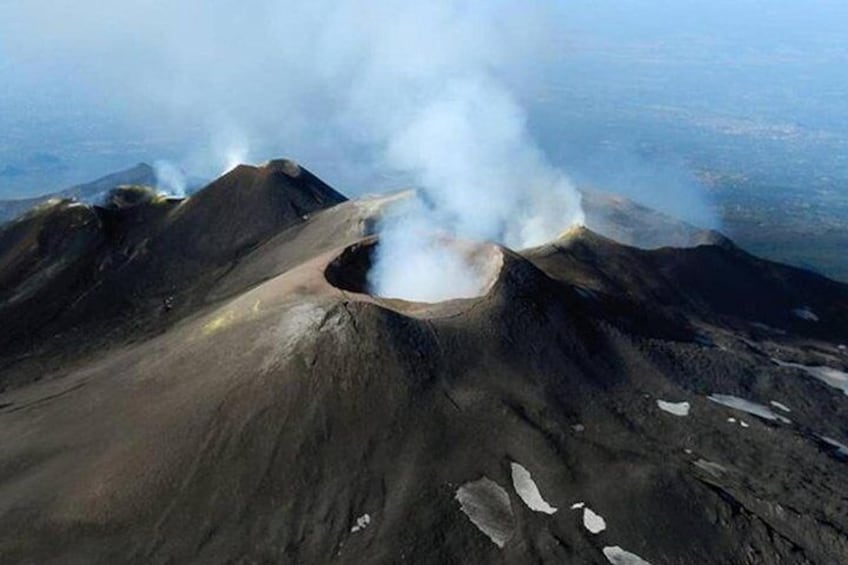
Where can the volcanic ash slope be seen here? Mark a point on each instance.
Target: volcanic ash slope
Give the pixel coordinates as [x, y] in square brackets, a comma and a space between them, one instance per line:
[278, 413]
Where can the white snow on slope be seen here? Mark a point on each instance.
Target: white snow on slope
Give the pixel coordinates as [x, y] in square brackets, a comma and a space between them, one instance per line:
[618, 556]
[831, 377]
[747, 406]
[526, 488]
[806, 313]
[780, 406]
[593, 522]
[710, 467]
[487, 505]
[840, 447]
[361, 523]
[676, 408]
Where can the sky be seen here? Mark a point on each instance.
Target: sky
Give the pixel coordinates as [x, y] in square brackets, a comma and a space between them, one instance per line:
[637, 96]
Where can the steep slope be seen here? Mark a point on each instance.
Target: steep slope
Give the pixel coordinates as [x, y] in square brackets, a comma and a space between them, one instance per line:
[718, 283]
[289, 417]
[145, 261]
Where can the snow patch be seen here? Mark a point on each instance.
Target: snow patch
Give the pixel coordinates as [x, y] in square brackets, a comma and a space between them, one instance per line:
[765, 327]
[586, 293]
[831, 377]
[361, 523]
[841, 448]
[806, 313]
[593, 522]
[618, 556]
[676, 408]
[487, 505]
[578, 505]
[710, 467]
[526, 488]
[747, 406]
[780, 406]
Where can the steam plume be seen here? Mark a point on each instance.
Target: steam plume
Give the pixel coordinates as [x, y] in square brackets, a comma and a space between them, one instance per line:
[469, 151]
[170, 178]
[426, 90]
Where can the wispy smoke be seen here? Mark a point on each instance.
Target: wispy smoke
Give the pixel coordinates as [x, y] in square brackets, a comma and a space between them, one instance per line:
[320, 81]
[481, 176]
[170, 179]
[426, 91]
[429, 92]
[469, 149]
[415, 260]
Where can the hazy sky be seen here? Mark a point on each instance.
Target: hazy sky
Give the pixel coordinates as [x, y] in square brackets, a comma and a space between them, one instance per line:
[637, 94]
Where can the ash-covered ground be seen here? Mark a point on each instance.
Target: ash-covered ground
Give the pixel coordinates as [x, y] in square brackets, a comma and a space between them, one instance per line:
[209, 380]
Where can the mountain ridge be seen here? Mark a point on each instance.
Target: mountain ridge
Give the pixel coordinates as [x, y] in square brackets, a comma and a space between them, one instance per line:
[278, 412]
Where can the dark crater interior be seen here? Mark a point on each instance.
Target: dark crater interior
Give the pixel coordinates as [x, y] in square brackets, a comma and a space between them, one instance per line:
[349, 271]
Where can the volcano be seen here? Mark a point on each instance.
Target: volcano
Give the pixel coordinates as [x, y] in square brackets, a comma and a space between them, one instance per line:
[209, 380]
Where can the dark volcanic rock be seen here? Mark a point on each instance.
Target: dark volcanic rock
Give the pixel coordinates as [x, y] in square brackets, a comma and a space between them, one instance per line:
[280, 414]
[142, 260]
[719, 283]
